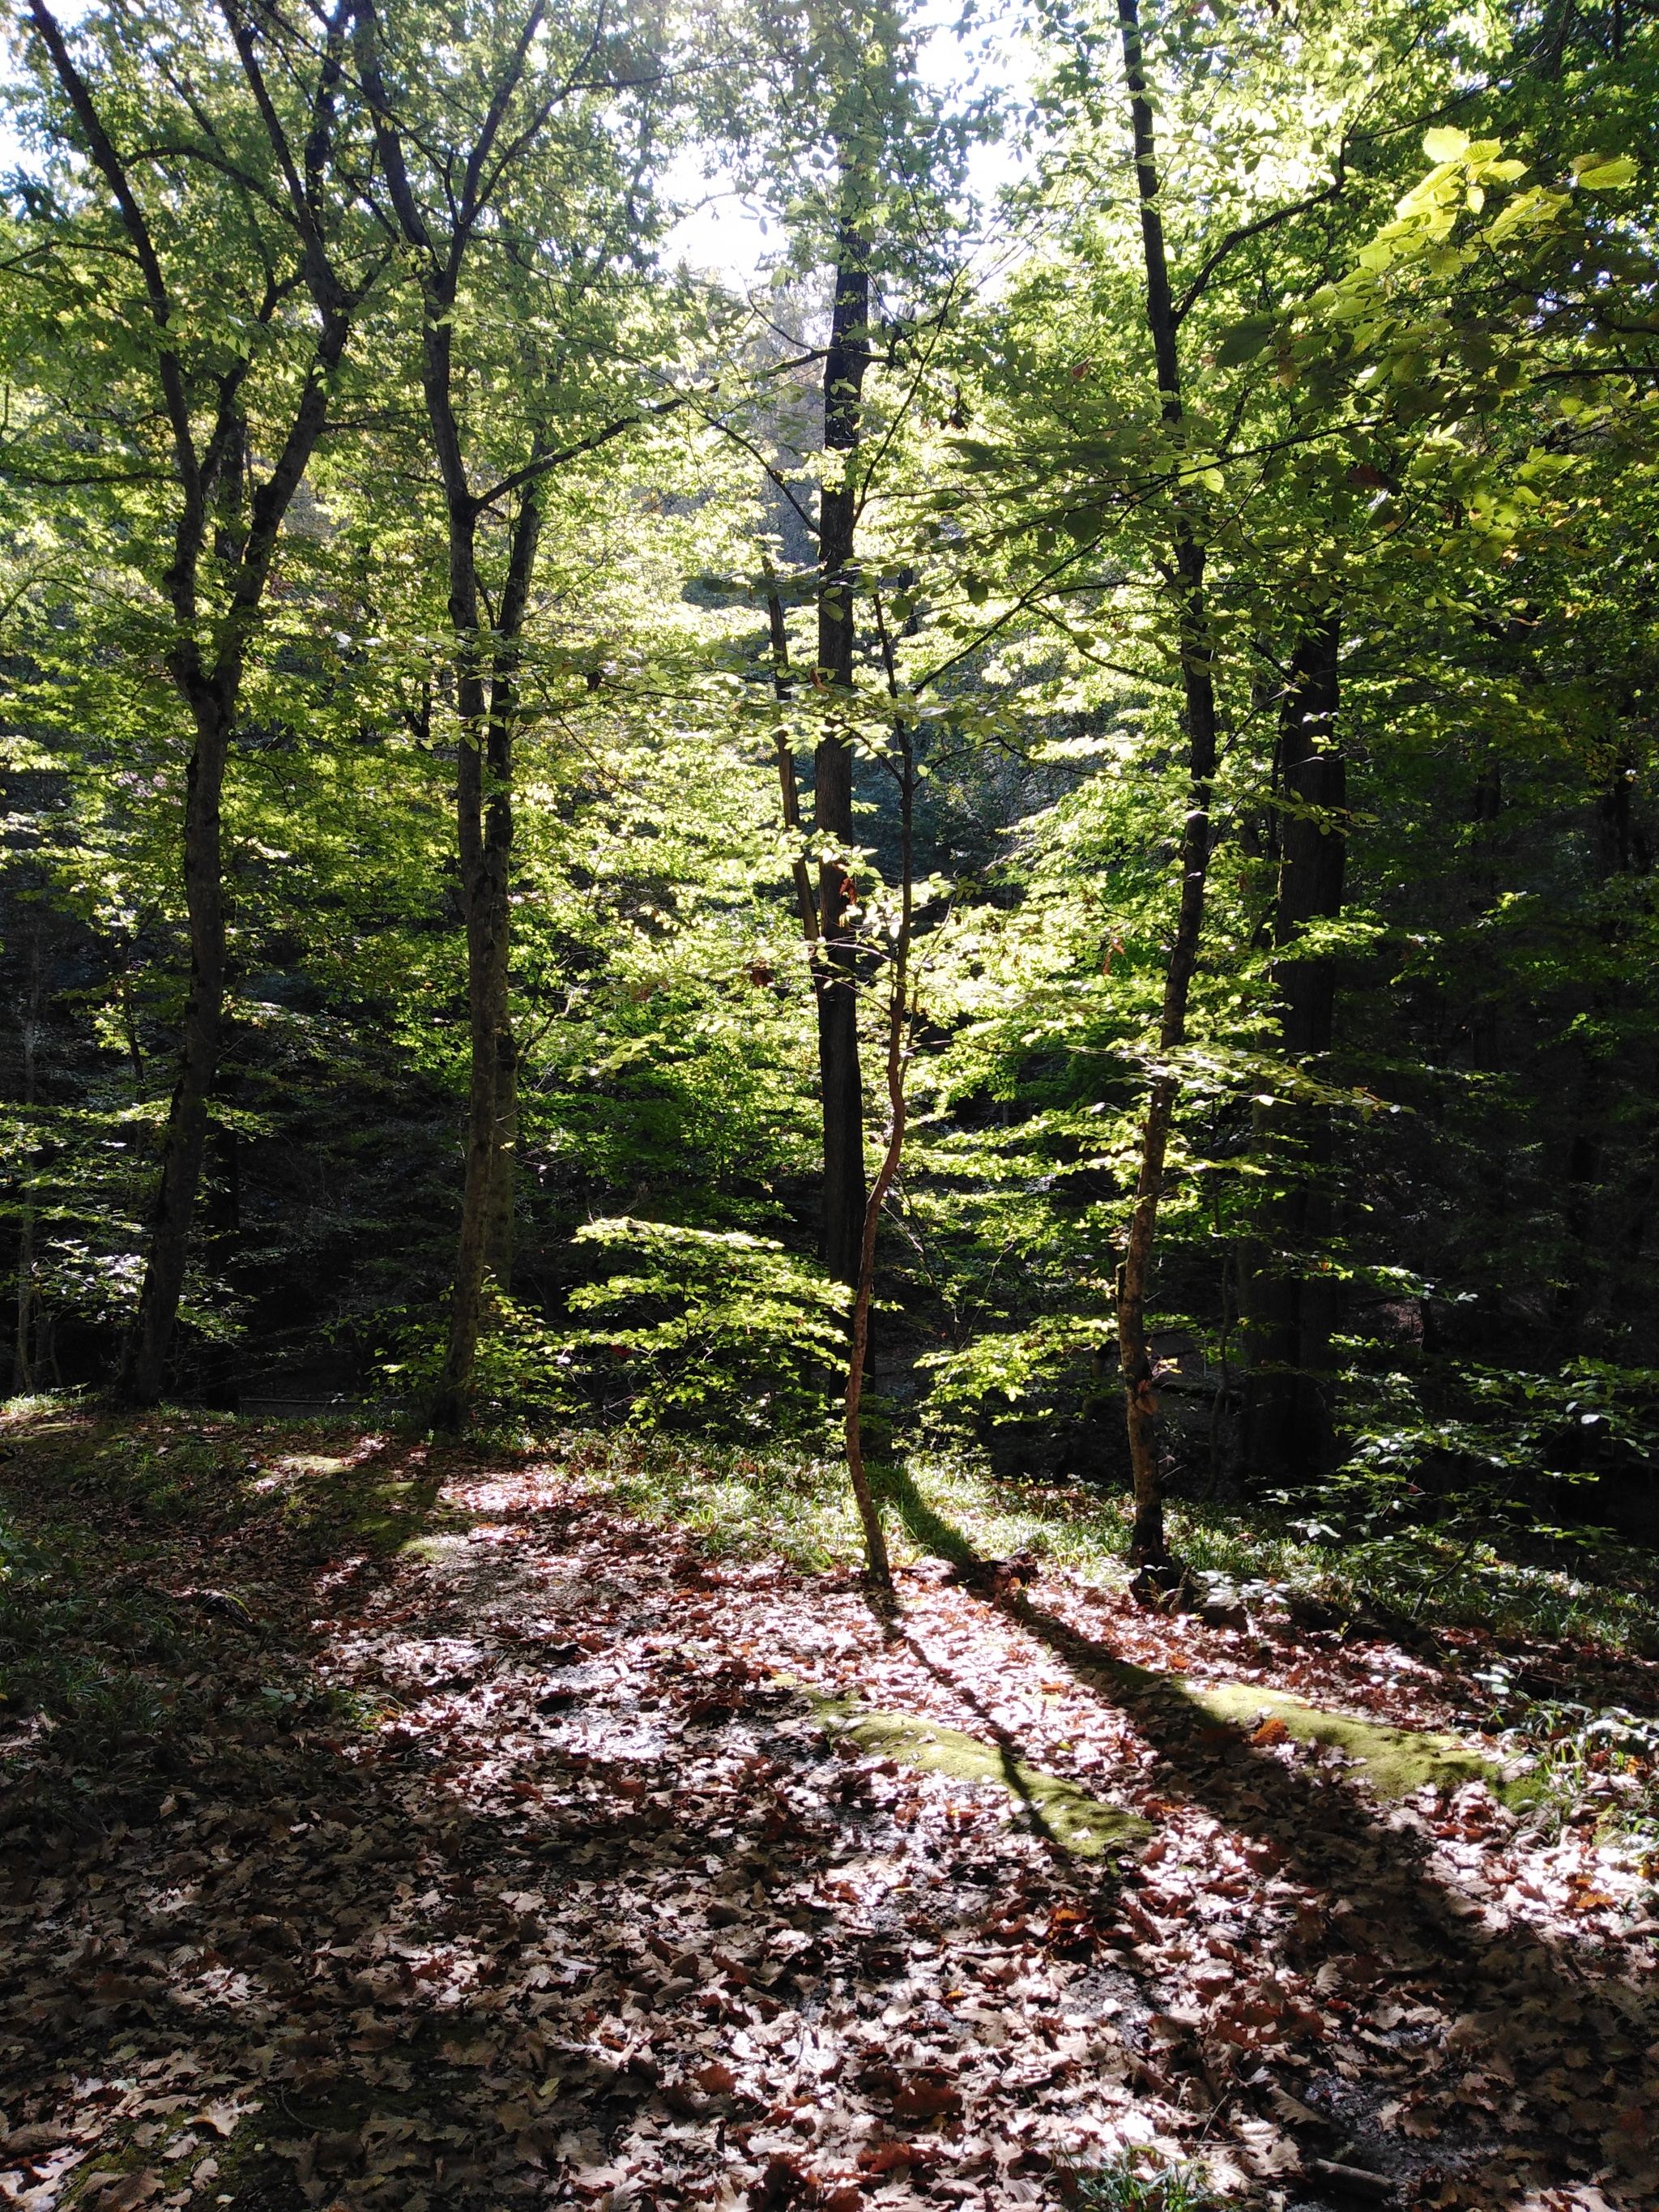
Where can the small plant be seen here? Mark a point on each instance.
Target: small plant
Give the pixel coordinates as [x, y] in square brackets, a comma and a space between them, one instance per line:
[1139, 2180]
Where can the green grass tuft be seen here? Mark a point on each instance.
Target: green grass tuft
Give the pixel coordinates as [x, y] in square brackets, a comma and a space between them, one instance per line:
[1137, 2181]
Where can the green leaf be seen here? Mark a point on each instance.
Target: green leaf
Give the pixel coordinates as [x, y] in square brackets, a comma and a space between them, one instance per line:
[1606, 176]
[1245, 340]
[1445, 144]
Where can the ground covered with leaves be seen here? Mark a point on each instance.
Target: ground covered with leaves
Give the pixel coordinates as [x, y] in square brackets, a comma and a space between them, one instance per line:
[391, 1827]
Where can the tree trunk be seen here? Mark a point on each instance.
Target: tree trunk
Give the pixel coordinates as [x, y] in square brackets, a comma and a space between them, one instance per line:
[144, 1365]
[484, 822]
[22, 1377]
[875, 1540]
[487, 707]
[898, 1035]
[788, 793]
[504, 1186]
[212, 476]
[1291, 1310]
[1186, 578]
[486, 955]
[837, 984]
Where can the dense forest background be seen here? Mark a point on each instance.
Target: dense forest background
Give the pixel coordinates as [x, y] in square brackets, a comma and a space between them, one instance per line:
[1063, 776]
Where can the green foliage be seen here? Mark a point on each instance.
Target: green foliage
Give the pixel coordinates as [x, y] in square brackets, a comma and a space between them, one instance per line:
[1141, 2181]
[1425, 406]
[720, 1330]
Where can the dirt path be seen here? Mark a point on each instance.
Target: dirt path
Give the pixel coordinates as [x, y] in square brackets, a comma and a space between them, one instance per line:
[562, 1893]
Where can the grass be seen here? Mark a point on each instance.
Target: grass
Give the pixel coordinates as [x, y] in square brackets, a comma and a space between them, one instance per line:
[747, 1502]
[1610, 1598]
[1137, 2181]
[742, 1502]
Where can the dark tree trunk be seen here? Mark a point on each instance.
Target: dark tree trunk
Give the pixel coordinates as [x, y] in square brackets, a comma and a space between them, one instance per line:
[503, 1184]
[1291, 1290]
[1186, 577]
[832, 769]
[788, 793]
[484, 821]
[487, 704]
[184, 1139]
[211, 480]
[22, 1374]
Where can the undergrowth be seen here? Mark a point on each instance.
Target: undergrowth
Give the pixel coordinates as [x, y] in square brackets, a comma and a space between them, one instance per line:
[1136, 2181]
[748, 1502]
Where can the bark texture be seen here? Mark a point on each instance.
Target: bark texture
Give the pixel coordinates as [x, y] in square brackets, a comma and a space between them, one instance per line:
[1185, 575]
[1291, 1308]
[841, 1082]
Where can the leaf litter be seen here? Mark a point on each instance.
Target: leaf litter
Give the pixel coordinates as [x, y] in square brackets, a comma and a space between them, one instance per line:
[541, 1859]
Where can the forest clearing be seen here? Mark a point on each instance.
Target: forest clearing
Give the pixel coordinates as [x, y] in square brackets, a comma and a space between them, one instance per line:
[827, 1153]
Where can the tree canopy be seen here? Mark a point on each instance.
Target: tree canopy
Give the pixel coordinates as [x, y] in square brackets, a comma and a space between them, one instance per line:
[1054, 780]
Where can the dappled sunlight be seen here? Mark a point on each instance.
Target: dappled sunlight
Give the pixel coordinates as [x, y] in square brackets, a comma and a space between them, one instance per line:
[524, 1849]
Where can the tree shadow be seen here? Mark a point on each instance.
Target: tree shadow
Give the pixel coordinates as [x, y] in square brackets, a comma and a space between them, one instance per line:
[937, 1535]
[1519, 1997]
[303, 1901]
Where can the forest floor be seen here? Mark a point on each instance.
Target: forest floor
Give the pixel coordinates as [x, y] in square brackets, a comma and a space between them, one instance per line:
[392, 1827]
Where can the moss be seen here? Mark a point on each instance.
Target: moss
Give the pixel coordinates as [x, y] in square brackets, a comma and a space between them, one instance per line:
[1057, 1808]
[1395, 1761]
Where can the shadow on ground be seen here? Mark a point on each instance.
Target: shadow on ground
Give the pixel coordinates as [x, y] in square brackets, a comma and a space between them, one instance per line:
[1549, 2039]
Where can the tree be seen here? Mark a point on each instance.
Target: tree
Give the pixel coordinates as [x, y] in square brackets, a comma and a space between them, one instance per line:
[515, 181]
[857, 158]
[220, 220]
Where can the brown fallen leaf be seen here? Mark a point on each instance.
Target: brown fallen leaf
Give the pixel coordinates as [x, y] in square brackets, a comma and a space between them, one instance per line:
[926, 2096]
[120, 2192]
[1293, 2112]
[1272, 1730]
[223, 2118]
[42, 2136]
[892, 2157]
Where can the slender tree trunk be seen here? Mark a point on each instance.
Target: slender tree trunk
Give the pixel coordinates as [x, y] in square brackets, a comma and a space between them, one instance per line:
[144, 1367]
[484, 822]
[898, 1028]
[487, 708]
[1185, 575]
[452, 1402]
[504, 1186]
[837, 984]
[788, 791]
[21, 1378]
[1290, 1310]
[212, 473]
[875, 1540]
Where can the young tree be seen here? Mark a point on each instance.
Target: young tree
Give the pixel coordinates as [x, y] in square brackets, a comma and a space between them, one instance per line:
[189, 280]
[515, 180]
[858, 159]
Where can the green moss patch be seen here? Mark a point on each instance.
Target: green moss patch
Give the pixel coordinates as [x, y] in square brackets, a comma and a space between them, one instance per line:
[1395, 1761]
[1058, 1809]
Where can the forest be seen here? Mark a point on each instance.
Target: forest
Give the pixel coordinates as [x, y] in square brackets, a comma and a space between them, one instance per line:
[829, 1189]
